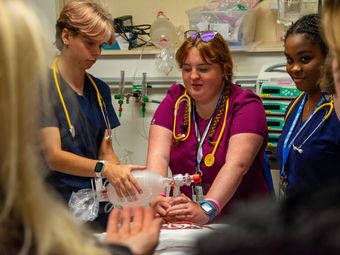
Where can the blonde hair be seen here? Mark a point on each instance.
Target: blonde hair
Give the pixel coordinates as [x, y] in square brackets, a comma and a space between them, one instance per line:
[331, 31]
[31, 220]
[87, 18]
[331, 21]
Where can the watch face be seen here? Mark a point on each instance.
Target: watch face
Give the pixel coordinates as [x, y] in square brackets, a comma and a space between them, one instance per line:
[99, 167]
[207, 208]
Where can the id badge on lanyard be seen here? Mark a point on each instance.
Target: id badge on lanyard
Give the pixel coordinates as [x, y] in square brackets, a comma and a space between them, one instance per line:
[287, 144]
[100, 190]
[199, 191]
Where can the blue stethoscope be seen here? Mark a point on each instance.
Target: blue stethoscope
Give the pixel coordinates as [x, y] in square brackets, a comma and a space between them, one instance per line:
[99, 98]
[288, 145]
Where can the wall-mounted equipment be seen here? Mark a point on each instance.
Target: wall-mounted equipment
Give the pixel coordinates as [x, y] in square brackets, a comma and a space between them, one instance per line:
[279, 91]
[138, 91]
[275, 123]
[246, 83]
[275, 107]
[273, 139]
[276, 89]
[135, 35]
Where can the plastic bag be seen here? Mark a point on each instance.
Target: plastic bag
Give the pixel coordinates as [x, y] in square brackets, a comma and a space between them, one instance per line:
[161, 28]
[84, 204]
[165, 60]
[227, 4]
[163, 34]
[235, 20]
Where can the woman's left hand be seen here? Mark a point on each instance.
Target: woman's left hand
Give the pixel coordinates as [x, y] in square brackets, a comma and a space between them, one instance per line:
[184, 209]
[160, 204]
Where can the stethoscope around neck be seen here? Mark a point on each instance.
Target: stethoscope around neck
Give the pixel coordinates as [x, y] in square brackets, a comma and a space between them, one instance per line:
[287, 145]
[319, 107]
[209, 159]
[99, 98]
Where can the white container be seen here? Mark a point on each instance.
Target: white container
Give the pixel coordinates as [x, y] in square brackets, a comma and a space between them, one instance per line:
[291, 10]
[163, 28]
[236, 26]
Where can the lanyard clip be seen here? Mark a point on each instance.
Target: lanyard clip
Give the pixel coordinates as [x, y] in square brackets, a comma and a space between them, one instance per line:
[198, 171]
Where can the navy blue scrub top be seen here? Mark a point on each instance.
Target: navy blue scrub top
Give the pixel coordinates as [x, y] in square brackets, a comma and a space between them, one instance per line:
[89, 124]
[319, 164]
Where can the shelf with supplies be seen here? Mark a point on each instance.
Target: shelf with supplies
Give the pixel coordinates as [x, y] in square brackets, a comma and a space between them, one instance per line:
[152, 50]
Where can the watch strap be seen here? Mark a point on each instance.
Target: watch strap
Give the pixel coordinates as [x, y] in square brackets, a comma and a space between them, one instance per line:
[216, 204]
[211, 213]
[99, 168]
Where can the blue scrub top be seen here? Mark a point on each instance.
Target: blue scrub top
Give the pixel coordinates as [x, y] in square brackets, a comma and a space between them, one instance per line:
[89, 124]
[319, 164]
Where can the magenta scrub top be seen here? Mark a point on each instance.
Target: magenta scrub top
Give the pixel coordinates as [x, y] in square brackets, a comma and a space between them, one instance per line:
[245, 115]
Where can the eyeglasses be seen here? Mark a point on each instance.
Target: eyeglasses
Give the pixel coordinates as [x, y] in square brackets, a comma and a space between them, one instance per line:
[205, 36]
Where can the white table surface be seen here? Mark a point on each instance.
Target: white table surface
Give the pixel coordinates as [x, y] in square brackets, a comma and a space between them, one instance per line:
[179, 239]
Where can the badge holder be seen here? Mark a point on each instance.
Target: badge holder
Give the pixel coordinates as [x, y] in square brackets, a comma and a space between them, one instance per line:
[101, 190]
[199, 191]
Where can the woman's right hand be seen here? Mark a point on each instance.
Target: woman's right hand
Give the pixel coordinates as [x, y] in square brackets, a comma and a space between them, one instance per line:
[160, 204]
[122, 179]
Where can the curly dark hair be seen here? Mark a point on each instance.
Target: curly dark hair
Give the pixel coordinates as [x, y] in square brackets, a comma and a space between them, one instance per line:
[310, 26]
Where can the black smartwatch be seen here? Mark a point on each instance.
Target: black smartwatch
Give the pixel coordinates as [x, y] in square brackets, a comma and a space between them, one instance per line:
[99, 168]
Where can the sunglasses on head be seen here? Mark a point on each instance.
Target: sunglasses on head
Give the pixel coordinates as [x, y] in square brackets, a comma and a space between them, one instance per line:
[205, 36]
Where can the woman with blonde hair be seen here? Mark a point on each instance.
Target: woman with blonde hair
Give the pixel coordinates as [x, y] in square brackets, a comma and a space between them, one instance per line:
[32, 221]
[76, 132]
[331, 21]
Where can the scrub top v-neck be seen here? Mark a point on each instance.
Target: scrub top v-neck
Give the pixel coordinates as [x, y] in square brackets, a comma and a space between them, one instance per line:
[89, 124]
